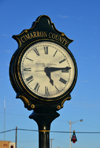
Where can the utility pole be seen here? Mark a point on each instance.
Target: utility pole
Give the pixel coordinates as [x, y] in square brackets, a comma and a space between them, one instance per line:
[4, 119]
[70, 132]
[51, 142]
[16, 138]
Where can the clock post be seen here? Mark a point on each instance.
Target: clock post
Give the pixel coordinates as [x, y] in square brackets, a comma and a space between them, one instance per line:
[43, 72]
[44, 120]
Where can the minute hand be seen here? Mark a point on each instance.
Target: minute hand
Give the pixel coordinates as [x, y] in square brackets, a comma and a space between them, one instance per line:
[52, 69]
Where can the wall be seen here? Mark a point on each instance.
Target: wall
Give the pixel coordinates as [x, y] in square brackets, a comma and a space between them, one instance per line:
[4, 144]
[7, 144]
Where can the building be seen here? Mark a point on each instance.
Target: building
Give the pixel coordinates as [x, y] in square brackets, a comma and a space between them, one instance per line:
[7, 144]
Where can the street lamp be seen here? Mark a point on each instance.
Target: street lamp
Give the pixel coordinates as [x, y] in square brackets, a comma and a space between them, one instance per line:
[70, 124]
[51, 142]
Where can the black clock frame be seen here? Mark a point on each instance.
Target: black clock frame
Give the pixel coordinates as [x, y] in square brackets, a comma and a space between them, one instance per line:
[27, 38]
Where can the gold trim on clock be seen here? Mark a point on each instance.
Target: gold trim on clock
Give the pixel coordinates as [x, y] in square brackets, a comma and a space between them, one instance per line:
[68, 98]
[44, 131]
[58, 107]
[39, 98]
[32, 106]
[25, 99]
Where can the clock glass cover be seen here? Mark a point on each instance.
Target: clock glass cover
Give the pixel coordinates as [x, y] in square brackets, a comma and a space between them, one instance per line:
[47, 70]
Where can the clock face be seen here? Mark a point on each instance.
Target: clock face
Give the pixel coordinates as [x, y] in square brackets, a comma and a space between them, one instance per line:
[46, 70]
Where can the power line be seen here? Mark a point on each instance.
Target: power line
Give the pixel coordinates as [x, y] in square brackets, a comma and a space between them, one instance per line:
[76, 132]
[50, 131]
[27, 130]
[7, 131]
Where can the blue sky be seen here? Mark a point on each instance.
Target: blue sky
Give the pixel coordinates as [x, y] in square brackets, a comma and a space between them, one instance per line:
[80, 21]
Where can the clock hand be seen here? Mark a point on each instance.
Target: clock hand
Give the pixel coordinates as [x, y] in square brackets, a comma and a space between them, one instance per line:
[48, 74]
[48, 71]
[52, 69]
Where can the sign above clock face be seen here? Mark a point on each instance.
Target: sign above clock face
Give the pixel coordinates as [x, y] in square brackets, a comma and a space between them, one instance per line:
[43, 70]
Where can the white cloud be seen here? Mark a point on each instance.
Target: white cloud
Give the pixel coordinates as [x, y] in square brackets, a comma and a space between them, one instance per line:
[86, 104]
[63, 16]
[6, 35]
[79, 18]
[7, 51]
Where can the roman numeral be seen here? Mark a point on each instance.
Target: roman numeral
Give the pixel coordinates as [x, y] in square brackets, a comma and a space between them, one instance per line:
[55, 53]
[57, 89]
[62, 80]
[27, 69]
[62, 61]
[46, 50]
[29, 59]
[36, 51]
[29, 79]
[37, 87]
[46, 91]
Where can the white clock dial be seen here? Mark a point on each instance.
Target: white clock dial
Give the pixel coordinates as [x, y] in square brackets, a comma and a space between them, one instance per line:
[47, 69]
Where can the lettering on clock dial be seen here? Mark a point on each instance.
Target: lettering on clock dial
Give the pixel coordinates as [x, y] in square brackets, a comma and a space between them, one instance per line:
[62, 80]
[37, 87]
[29, 79]
[46, 91]
[36, 51]
[46, 49]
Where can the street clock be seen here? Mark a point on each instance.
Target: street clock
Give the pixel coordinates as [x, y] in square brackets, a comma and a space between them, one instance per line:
[43, 71]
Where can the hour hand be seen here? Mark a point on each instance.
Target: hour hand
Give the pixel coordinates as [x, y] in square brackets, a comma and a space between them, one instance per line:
[48, 75]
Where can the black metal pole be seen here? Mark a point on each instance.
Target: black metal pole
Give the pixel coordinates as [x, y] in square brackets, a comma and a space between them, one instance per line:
[44, 121]
[44, 139]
